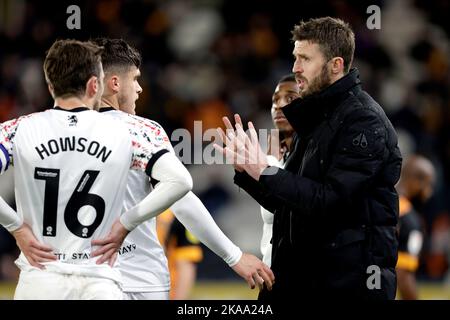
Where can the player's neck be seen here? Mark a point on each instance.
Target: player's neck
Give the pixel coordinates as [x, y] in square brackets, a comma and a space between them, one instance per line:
[110, 101]
[71, 103]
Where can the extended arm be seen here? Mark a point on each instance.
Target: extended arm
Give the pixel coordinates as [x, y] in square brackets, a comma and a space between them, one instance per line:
[192, 213]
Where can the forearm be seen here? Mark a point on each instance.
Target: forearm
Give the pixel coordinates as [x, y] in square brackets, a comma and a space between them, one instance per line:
[174, 182]
[191, 212]
[8, 217]
[256, 191]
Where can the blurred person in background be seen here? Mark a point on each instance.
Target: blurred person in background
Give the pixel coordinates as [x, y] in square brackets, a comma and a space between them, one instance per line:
[183, 252]
[415, 187]
[285, 92]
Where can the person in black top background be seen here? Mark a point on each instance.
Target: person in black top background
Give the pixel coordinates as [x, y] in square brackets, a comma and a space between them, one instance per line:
[415, 187]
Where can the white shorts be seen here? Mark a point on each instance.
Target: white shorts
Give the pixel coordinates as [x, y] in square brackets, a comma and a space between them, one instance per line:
[39, 284]
[158, 295]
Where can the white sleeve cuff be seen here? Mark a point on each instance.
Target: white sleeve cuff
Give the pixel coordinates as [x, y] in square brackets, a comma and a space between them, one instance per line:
[8, 217]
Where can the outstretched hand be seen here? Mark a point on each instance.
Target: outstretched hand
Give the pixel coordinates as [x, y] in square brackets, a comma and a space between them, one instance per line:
[241, 150]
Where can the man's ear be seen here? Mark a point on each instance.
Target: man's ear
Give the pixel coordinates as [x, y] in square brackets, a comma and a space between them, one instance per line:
[113, 83]
[337, 65]
[51, 90]
[92, 86]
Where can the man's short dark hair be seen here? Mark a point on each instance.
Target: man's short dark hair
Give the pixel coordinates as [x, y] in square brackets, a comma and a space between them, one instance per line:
[69, 64]
[334, 36]
[287, 78]
[118, 55]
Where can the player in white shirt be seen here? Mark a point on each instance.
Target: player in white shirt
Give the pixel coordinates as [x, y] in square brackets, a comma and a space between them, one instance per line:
[142, 260]
[285, 91]
[71, 166]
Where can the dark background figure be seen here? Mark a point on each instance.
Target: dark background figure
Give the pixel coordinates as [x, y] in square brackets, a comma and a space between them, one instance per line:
[415, 187]
[281, 139]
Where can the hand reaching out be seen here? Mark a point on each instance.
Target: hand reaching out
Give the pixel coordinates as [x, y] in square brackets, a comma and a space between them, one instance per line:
[242, 151]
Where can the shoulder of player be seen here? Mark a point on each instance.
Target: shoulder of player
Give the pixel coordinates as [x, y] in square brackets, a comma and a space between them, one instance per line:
[143, 122]
[13, 124]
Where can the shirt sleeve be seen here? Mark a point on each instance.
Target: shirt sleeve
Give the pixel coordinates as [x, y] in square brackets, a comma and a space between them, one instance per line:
[7, 133]
[149, 142]
[9, 219]
[194, 216]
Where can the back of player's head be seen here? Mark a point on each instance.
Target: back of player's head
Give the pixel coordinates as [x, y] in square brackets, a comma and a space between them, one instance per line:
[69, 64]
[118, 56]
[287, 78]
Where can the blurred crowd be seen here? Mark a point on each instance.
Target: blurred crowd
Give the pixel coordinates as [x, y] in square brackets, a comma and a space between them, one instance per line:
[203, 59]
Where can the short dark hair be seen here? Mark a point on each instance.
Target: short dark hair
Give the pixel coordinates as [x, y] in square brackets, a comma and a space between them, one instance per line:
[69, 64]
[287, 78]
[334, 36]
[118, 54]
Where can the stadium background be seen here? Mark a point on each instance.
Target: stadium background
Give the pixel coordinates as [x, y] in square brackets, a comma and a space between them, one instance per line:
[203, 59]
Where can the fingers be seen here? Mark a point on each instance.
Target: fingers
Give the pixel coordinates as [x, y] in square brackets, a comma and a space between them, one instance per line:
[225, 138]
[103, 249]
[253, 134]
[34, 263]
[101, 242]
[227, 123]
[238, 120]
[41, 247]
[251, 282]
[41, 256]
[227, 152]
[258, 280]
[269, 272]
[266, 279]
[232, 157]
[113, 259]
[107, 256]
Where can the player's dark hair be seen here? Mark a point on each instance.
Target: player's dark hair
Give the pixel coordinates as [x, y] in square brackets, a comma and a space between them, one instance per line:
[334, 37]
[118, 55]
[69, 64]
[287, 78]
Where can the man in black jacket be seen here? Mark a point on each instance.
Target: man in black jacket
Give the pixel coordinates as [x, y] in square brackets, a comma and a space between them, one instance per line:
[335, 206]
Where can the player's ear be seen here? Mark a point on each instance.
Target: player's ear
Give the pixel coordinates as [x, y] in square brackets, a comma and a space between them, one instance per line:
[92, 86]
[113, 83]
[51, 90]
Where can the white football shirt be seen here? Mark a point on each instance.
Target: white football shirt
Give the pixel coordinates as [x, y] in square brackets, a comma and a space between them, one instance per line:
[71, 170]
[143, 263]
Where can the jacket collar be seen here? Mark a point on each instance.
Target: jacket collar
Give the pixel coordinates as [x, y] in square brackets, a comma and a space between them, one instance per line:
[305, 114]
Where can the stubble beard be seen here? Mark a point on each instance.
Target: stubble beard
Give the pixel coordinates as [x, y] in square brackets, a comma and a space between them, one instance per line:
[319, 83]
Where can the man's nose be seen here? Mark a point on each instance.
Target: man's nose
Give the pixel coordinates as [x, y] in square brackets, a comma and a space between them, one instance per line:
[297, 68]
